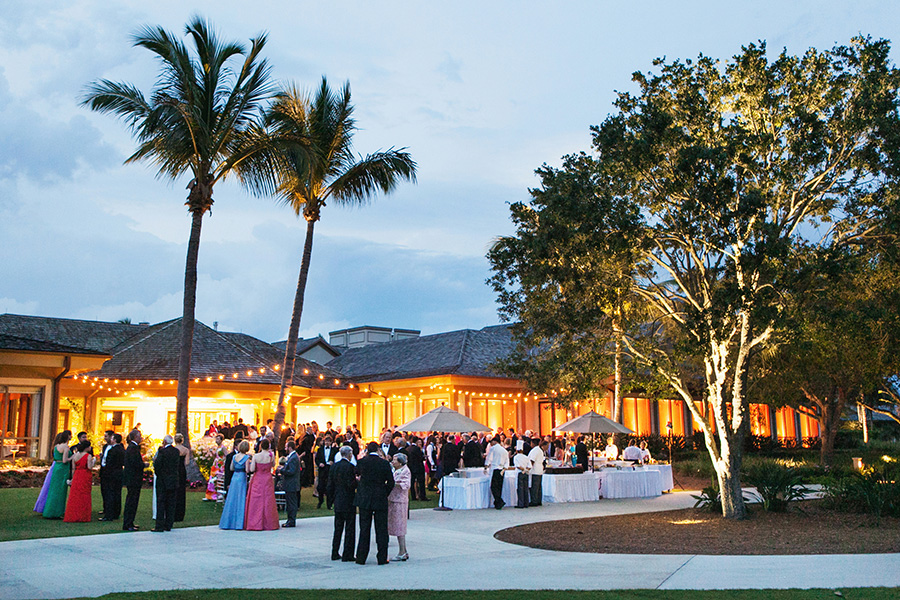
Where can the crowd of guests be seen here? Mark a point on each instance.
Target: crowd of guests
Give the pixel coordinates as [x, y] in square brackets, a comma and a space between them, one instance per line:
[375, 480]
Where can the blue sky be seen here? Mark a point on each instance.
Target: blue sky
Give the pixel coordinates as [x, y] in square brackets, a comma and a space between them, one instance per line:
[480, 93]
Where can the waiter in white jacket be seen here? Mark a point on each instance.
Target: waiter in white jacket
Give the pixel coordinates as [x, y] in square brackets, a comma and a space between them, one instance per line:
[496, 462]
[536, 456]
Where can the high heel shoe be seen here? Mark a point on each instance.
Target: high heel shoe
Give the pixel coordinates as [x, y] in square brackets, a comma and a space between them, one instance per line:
[401, 557]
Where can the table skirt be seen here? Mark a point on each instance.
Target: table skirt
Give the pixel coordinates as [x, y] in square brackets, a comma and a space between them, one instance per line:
[627, 483]
[461, 493]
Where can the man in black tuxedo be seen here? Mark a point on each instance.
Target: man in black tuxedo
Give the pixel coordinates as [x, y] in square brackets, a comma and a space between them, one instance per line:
[349, 440]
[581, 453]
[290, 474]
[449, 457]
[165, 468]
[416, 463]
[388, 449]
[341, 488]
[238, 438]
[376, 480]
[472, 456]
[325, 457]
[305, 450]
[132, 478]
[112, 462]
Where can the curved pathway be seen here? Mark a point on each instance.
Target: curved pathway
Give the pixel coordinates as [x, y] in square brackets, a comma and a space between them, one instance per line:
[449, 550]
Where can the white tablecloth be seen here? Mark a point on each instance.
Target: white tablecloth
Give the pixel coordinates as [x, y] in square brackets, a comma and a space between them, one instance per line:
[628, 483]
[665, 473]
[581, 487]
[474, 491]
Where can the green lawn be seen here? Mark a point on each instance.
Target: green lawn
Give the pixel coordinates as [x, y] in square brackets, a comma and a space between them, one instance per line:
[850, 594]
[18, 522]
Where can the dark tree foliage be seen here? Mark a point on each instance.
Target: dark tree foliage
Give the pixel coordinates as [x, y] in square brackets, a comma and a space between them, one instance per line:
[730, 171]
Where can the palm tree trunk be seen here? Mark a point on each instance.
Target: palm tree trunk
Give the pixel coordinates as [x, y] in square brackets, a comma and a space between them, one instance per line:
[287, 369]
[187, 328]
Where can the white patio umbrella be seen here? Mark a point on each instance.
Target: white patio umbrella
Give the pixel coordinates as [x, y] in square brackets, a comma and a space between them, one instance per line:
[592, 423]
[445, 420]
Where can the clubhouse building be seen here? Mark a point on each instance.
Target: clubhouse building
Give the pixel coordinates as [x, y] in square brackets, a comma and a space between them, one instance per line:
[60, 374]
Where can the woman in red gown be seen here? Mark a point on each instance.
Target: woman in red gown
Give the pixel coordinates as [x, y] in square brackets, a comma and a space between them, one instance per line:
[78, 507]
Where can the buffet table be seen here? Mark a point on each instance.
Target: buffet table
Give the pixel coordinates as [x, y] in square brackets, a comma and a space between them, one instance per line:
[665, 473]
[638, 482]
[582, 487]
[472, 489]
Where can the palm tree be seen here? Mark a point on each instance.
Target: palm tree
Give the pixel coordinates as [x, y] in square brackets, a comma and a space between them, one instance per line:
[202, 118]
[317, 164]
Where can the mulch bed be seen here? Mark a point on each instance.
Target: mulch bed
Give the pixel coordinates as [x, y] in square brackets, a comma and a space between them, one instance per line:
[814, 530]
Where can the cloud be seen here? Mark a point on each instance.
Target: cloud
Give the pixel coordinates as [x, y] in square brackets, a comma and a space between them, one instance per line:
[45, 148]
[450, 68]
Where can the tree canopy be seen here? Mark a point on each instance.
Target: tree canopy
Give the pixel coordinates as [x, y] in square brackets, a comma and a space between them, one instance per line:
[732, 170]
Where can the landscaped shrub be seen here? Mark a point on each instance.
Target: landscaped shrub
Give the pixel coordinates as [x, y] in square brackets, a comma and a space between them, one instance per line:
[701, 466]
[875, 490]
[709, 498]
[777, 485]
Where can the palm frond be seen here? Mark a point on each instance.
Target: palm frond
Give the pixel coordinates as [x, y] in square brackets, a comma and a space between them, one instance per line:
[381, 171]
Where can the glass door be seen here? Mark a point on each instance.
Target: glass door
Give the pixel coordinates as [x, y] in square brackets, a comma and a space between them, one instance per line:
[19, 422]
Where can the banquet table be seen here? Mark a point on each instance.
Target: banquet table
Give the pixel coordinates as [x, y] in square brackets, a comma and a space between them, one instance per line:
[472, 489]
[582, 487]
[638, 482]
[665, 473]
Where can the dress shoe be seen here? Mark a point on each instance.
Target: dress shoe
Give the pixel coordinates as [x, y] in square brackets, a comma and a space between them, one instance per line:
[288, 524]
[387, 562]
[360, 562]
[134, 528]
[155, 530]
[351, 559]
[337, 557]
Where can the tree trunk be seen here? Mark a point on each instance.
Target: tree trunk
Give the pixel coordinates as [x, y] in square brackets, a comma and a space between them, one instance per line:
[618, 401]
[829, 418]
[728, 472]
[187, 328]
[287, 369]
[828, 425]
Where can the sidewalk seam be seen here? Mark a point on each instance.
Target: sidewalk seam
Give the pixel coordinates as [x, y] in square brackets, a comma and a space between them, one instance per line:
[672, 574]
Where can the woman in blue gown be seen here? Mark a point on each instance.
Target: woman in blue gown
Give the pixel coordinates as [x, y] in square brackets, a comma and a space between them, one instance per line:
[236, 498]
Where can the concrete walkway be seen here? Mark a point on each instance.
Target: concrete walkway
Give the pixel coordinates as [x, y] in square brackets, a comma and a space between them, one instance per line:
[449, 550]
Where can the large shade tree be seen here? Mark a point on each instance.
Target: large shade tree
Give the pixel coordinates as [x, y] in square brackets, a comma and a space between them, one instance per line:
[566, 278]
[313, 131]
[734, 167]
[203, 119]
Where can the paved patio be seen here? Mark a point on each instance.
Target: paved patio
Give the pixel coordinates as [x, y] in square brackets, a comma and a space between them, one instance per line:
[448, 550]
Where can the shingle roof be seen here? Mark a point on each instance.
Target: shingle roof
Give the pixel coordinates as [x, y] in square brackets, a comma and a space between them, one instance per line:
[153, 354]
[98, 336]
[465, 352]
[12, 342]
